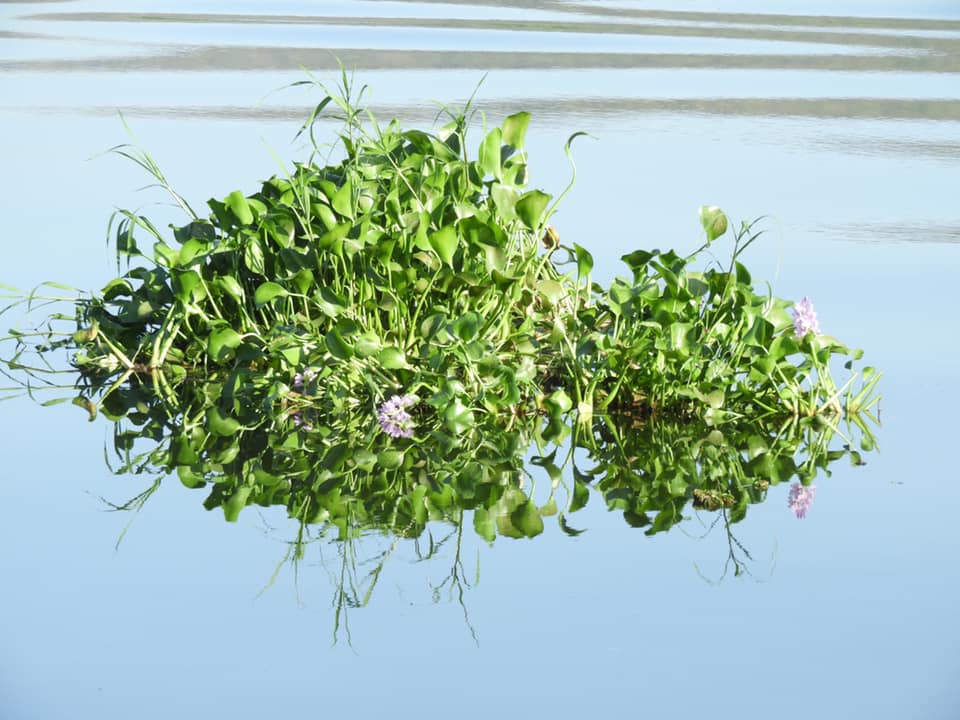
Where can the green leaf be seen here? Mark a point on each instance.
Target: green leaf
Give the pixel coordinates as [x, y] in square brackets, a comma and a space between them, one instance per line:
[679, 333]
[489, 155]
[337, 346]
[572, 532]
[190, 478]
[268, 291]
[192, 249]
[220, 424]
[367, 345]
[527, 519]
[222, 342]
[553, 291]
[253, 256]
[639, 259]
[343, 200]
[235, 503]
[393, 358]
[458, 417]
[239, 206]
[329, 302]
[182, 451]
[484, 524]
[515, 129]
[327, 218]
[584, 261]
[390, 459]
[715, 399]
[136, 311]
[165, 255]
[231, 286]
[531, 206]
[118, 287]
[186, 286]
[505, 200]
[558, 403]
[444, 243]
[714, 221]
[467, 326]
[581, 494]
[494, 258]
[506, 527]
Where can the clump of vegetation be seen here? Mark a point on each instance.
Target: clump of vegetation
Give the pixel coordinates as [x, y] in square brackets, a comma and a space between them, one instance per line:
[348, 331]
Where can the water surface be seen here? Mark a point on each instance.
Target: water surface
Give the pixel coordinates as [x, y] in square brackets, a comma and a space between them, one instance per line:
[839, 122]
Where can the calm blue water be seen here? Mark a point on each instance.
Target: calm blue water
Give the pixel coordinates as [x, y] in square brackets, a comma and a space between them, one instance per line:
[850, 149]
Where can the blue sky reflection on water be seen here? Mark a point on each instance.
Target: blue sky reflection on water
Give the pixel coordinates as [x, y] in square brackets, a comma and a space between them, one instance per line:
[851, 612]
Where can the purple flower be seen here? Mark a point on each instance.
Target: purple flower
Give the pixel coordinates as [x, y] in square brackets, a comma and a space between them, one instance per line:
[394, 418]
[805, 318]
[301, 379]
[801, 498]
[300, 423]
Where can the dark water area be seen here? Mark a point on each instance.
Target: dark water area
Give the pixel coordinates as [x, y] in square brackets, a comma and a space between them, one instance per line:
[838, 123]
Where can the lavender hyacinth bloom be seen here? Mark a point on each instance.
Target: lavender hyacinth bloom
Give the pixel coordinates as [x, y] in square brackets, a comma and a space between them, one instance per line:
[301, 379]
[801, 498]
[394, 418]
[300, 423]
[805, 318]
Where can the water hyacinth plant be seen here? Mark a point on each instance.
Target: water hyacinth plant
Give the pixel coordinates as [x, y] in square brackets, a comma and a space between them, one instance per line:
[805, 318]
[394, 418]
[352, 330]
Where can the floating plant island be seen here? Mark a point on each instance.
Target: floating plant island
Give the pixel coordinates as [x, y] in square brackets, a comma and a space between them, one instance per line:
[400, 336]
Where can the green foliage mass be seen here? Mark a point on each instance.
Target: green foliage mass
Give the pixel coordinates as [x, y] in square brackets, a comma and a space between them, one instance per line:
[409, 267]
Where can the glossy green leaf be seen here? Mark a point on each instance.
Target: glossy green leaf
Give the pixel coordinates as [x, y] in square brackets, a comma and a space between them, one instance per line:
[714, 221]
[231, 286]
[505, 199]
[253, 257]
[393, 358]
[467, 326]
[191, 250]
[457, 417]
[267, 292]
[581, 494]
[584, 261]
[489, 156]
[343, 201]
[337, 346]
[235, 503]
[484, 524]
[390, 459]
[239, 207]
[367, 345]
[527, 519]
[220, 424]
[531, 207]
[572, 532]
[552, 290]
[189, 478]
[515, 129]
[444, 242]
[221, 342]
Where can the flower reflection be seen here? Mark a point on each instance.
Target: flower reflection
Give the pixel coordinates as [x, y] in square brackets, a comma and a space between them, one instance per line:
[801, 498]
